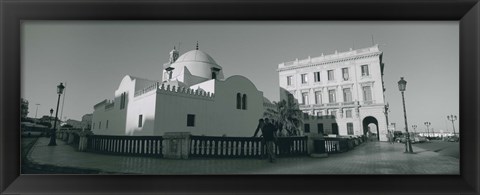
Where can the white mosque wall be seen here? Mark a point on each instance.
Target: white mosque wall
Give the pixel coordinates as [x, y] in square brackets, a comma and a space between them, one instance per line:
[141, 105]
[241, 122]
[173, 107]
[215, 116]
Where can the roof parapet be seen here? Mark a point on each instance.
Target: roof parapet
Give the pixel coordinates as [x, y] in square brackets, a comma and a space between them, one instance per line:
[330, 57]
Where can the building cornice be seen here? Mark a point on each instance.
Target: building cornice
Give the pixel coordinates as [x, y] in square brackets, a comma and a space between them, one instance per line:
[332, 61]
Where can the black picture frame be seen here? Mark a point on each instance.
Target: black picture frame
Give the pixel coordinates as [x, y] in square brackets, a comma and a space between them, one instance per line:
[465, 11]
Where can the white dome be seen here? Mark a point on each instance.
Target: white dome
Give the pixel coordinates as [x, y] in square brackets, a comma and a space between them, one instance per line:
[196, 56]
[198, 64]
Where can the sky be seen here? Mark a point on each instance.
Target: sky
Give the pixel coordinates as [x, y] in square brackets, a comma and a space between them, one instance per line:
[91, 58]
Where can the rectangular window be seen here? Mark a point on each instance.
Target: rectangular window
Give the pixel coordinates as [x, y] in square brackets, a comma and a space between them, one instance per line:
[335, 128]
[318, 97]
[289, 80]
[93, 126]
[345, 74]
[320, 128]
[348, 113]
[350, 128]
[307, 128]
[304, 78]
[140, 120]
[367, 93]
[347, 95]
[305, 115]
[123, 98]
[305, 98]
[106, 125]
[290, 97]
[319, 113]
[333, 113]
[330, 75]
[316, 76]
[100, 125]
[190, 120]
[365, 70]
[331, 96]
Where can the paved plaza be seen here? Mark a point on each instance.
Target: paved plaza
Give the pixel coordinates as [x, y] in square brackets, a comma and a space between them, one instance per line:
[368, 158]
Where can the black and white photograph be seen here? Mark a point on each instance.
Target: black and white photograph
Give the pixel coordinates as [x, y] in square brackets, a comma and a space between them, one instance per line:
[197, 97]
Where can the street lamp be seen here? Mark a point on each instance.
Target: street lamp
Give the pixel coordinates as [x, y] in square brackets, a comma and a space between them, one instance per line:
[428, 131]
[414, 129]
[50, 120]
[453, 118]
[53, 136]
[402, 85]
[387, 106]
[35, 121]
[36, 112]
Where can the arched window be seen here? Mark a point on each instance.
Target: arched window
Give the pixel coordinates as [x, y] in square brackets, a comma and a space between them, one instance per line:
[239, 101]
[244, 102]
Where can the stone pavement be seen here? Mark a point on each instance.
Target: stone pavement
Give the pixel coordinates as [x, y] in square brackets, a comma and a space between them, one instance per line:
[368, 158]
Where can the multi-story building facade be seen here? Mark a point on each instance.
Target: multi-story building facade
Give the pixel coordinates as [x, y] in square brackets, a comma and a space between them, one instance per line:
[340, 93]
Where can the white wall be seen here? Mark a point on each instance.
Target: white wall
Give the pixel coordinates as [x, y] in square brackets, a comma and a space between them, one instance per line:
[141, 105]
[216, 115]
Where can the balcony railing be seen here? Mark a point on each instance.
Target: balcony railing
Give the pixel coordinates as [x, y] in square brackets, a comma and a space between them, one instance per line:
[327, 105]
[368, 102]
[303, 106]
[244, 147]
[333, 104]
[348, 103]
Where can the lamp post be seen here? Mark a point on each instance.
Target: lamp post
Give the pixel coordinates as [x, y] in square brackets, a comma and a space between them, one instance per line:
[389, 134]
[453, 118]
[50, 120]
[53, 136]
[428, 131]
[36, 112]
[35, 121]
[414, 129]
[402, 85]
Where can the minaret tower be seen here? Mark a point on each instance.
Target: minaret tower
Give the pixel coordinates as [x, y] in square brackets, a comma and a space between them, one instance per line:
[167, 66]
[173, 55]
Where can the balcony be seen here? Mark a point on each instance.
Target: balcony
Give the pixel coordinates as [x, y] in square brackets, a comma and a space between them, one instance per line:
[333, 104]
[303, 106]
[349, 104]
[369, 102]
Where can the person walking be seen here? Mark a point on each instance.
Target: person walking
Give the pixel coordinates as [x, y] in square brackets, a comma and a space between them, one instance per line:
[269, 132]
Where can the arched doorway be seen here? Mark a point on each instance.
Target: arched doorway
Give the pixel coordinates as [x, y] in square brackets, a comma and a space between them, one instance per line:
[368, 123]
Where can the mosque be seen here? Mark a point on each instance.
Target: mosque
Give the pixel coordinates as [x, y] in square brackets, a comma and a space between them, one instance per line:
[192, 96]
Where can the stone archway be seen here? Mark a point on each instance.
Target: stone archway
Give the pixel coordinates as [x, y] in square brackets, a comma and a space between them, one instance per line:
[370, 120]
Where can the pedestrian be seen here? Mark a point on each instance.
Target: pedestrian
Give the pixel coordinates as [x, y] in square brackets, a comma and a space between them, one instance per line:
[390, 137]
[269, 132]
[260, 125]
